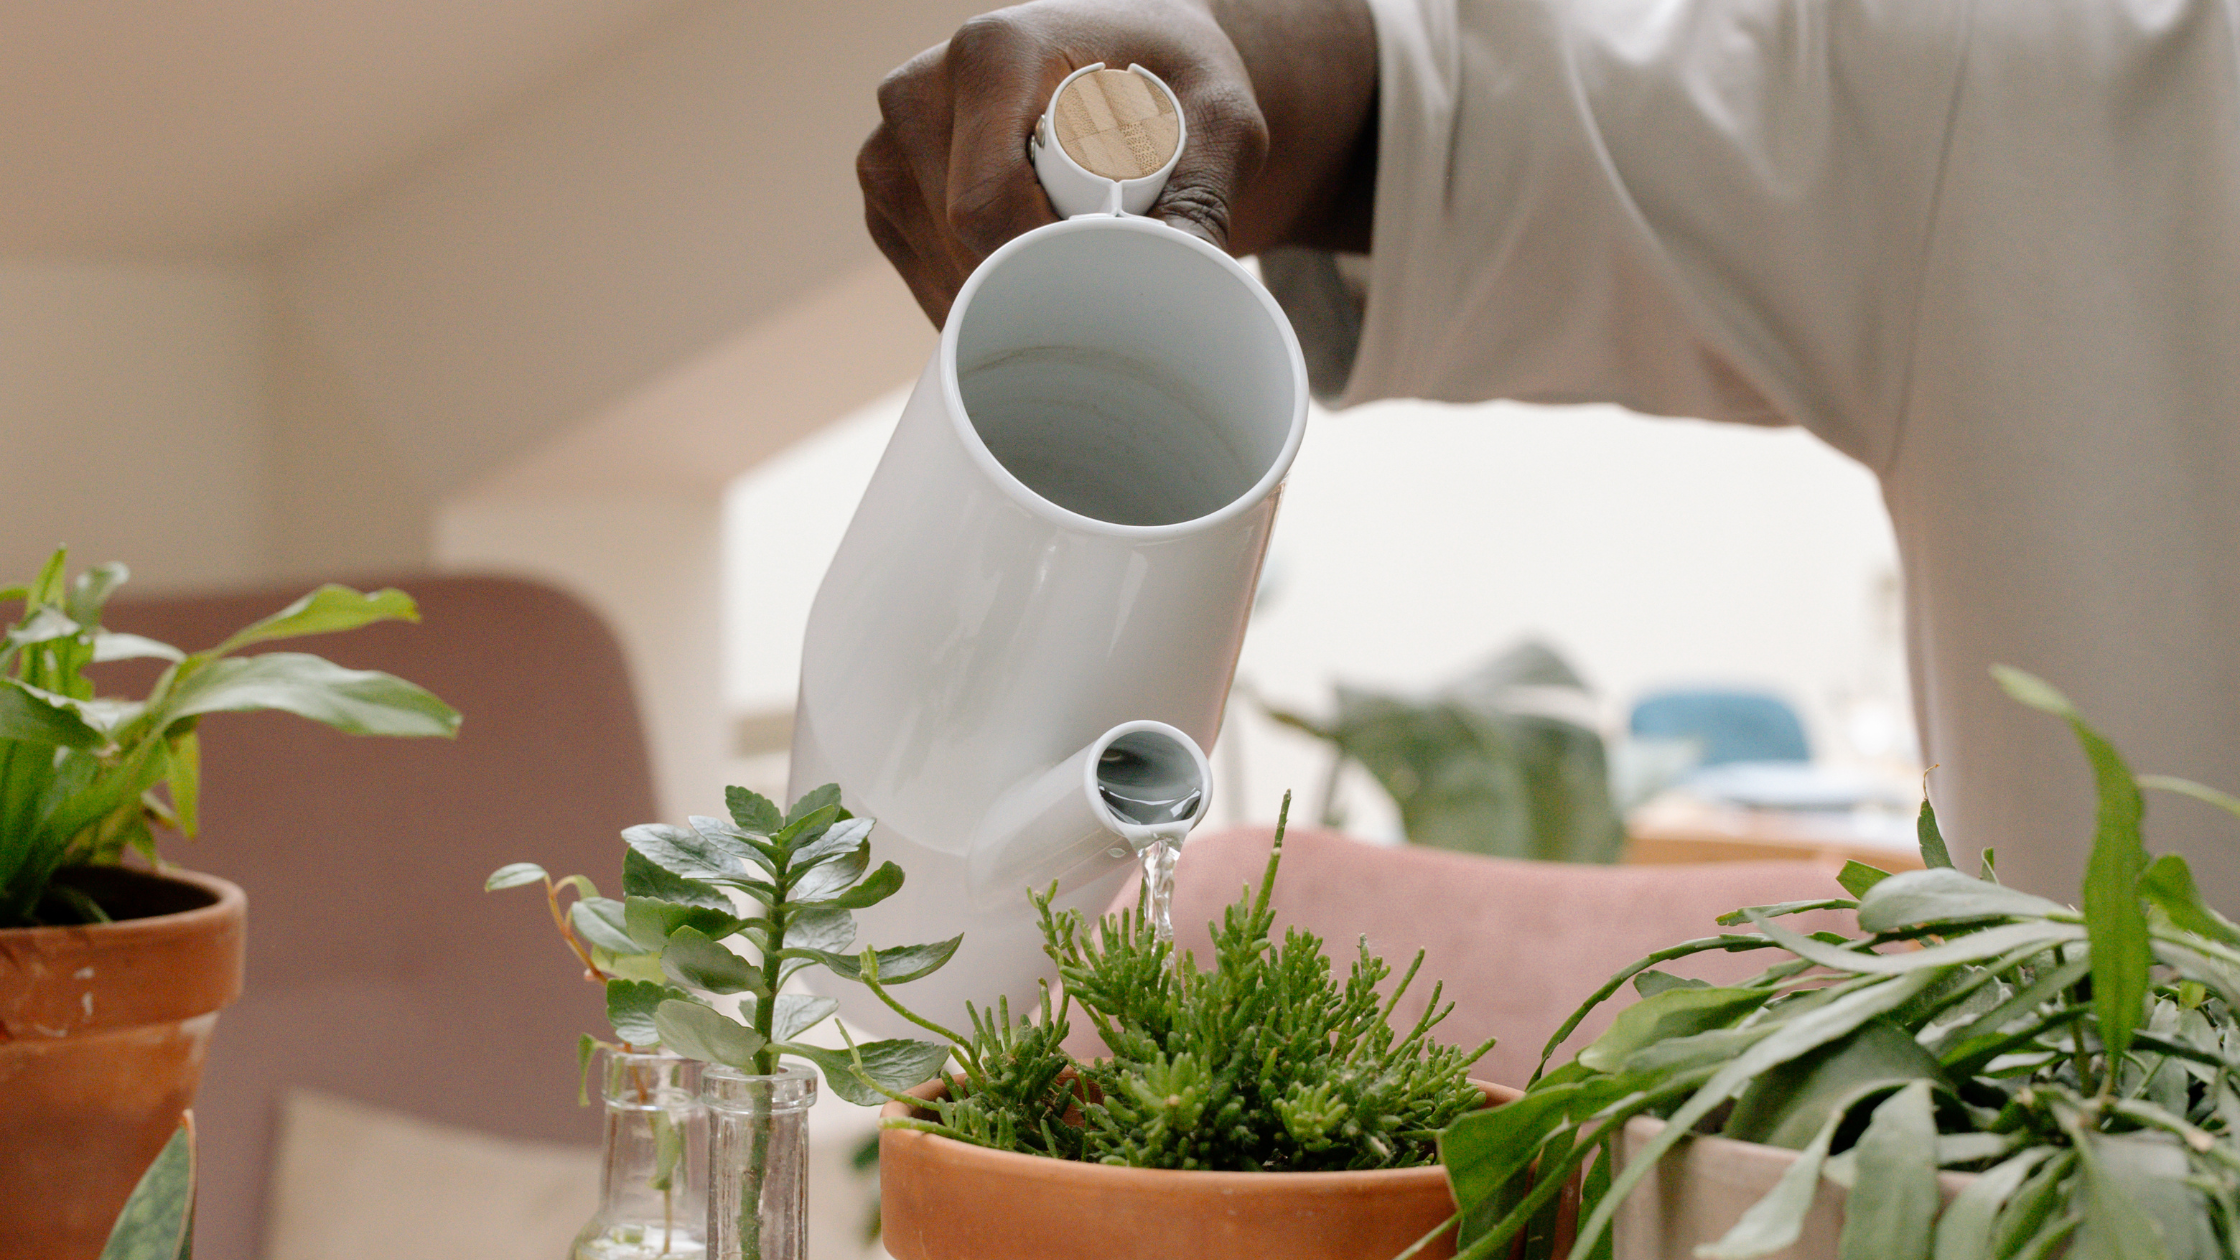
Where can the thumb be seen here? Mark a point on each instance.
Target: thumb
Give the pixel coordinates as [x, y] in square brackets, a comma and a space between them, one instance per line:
[1225, 142]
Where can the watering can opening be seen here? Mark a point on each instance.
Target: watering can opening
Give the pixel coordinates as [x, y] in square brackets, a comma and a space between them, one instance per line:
[1124, 372]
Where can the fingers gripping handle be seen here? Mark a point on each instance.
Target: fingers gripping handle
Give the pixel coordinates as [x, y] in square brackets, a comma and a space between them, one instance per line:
[1108, 141]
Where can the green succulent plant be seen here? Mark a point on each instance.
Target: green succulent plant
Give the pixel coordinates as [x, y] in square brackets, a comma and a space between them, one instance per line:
[2084, 1063]
[86, 778]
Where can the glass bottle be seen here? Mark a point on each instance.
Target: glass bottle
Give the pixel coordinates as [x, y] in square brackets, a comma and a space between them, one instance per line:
[758, 1174]
[653, 1182]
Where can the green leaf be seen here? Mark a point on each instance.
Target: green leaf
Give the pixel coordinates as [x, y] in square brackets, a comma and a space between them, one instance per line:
[795, 1013]
[1668, 1016]
[817, 798]
[753, 811]
[898, 965]
[1934, 855]
[1912, 898]
[630, 1008]
[2117, 922]
[108, 646]
[832, 873]
[2031, 1211]
[1964, 1231]
[688, 854]
[2168, 883]
[1858, 877]
[699, 1032]
[875, 888]
[2117, 1173]
[844, 838]
[1776, 1220]
[599, 922]
[1787, 1104]
[90, 592]
[2187, 787]
[1780, 908]
[157, 1222]
[668, 1150]
[722, 831]
[1485, 1149]
[1651, 983]
[357, 701]
[1974, 947]
[585, 1046]
[830, 930]
[36, 717]
[1891, 1208]
[897, 1064]
[642, 878]
[185, 778]
[323, 611]
[697, 961]
[513, 875]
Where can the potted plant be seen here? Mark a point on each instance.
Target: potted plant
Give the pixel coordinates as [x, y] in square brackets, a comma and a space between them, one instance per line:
[1259, 1107]
[1981, 1073]
[111, 975]
[664, 949]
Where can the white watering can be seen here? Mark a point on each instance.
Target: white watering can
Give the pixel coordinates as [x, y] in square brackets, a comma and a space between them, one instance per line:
[1027, 637]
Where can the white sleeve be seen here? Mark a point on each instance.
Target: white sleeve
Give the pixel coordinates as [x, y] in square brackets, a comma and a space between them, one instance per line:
[1713, 208]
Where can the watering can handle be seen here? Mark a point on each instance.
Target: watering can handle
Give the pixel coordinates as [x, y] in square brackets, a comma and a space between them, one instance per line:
[1108, 141]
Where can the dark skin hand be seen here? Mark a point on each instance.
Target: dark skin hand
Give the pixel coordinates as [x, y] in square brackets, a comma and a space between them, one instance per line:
[1279, 97]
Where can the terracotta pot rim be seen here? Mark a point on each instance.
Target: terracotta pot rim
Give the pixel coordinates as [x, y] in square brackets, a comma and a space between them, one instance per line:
[228, 902]
[1175, 1179]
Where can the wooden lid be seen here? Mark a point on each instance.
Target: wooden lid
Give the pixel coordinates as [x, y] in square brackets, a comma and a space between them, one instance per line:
[1116, 124]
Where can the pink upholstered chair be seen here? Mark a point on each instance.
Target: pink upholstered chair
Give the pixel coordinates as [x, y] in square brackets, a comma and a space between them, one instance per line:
[1518, 944]
[378, 968]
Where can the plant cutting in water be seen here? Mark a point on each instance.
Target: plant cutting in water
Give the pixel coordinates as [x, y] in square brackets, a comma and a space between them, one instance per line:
[2085, 1064]
[1263, 1063]
[86, 778]
[664, 944]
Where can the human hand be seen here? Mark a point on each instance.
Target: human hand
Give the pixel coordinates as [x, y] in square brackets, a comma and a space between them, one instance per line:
[1278, 95]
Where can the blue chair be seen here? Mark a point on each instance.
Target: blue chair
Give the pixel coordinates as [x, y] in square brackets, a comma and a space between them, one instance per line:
[1731, 725]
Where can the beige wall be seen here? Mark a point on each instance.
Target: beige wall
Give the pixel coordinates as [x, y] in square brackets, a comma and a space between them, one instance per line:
[132, 418]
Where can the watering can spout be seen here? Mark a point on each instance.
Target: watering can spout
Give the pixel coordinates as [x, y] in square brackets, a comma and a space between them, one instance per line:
[1073, 823]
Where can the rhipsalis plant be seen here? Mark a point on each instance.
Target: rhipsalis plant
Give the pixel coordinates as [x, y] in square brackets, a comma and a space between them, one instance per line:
[2085, 1064]
[84, 778]
[666, 945]
[1265, 1062]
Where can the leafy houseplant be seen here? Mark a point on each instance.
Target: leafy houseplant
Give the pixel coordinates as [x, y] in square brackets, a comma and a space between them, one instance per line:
[1485, 765]
[1263, 1067]
[111, 976]
[2085, 1065]
[79, 773]
[667, 942]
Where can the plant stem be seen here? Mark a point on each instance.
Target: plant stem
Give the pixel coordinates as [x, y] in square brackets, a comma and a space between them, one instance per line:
[766, 1065]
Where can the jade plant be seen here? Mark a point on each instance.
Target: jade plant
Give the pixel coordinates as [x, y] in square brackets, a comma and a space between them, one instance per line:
[2083, 1063]
[1263, 1062]
[784, 885]
[86, 778]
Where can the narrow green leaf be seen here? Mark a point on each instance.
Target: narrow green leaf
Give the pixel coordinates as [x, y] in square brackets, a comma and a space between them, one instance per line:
[694, 960]
[1776, 1220]
[1667, 1016]
[2031, 1210]
[1789, 1103]
[875, 888]
[1484, 1150]
[1912, 898]
[91, 590]
[898, 965]
[630, 1008]
[1890, 1211]
[111, 646]
[585, 1046]
[831, 875]
[842, 839]
[185, 778]
[1964, 1231]
[2168, 883]
[35, 717]
[1975, 946]
[642, 878]
[2187, 787]
[796, 1013]
[157, 1222]
[2121, 953]
[323, 611]
[1781, 908]
[1934, 855]
[699, 1032]
[1651, 983]
[668, 1150]
[753, 811]
[513, 875]
[2116, 1226]
[898, 1064]
[358, 701]
[1858, 877]
[817, 798]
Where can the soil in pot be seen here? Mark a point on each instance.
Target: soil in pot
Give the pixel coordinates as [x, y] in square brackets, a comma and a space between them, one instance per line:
[947, 1200]
[103, 1032]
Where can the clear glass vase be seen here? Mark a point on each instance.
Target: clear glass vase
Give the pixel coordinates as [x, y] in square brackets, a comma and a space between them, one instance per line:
[653, 1200]
[758, 1162]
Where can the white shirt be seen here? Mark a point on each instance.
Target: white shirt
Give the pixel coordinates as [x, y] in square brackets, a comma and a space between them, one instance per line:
[1991, 250]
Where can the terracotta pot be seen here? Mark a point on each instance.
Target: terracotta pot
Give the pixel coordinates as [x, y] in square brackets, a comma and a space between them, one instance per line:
[945, 1200]
[1703, 1186]
[103, 1030]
